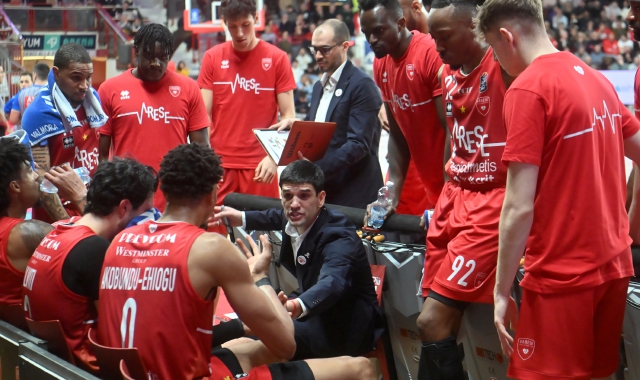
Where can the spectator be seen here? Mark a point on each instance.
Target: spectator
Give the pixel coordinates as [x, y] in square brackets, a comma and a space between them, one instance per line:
[306, 84]
[603, 31]
[581, 53]
[302, 102]
[618, 64]
[619, 27]
[285, 42]
[635, 64]
[297, 72]
[286, 25]
[347, 17]
[182, 69]
[268, 35]
[625, 44]
[558, 18]
[610, 46]
[597, 56]
[135, 25]
[304, 59]
[612, 10]
[299, 36]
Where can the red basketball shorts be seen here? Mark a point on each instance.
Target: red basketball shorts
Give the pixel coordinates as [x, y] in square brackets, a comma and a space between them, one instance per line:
[462, 244]
[570, 335]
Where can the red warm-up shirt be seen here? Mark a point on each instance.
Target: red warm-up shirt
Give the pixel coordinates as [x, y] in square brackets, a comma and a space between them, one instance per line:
[566, 118]
[245, 86]
[409, 86]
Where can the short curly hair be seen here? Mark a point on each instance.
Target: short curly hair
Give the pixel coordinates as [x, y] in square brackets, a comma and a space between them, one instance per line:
[117, 180]
[189, 172]
[13, 157]
[233, 10]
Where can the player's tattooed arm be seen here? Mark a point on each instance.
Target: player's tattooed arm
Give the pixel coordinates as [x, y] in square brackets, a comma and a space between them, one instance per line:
[53, 206]
[32, 232]
[23, 241]
[41, 158]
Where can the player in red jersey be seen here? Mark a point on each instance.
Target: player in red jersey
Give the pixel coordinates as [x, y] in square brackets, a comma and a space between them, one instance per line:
[161, 277]
[151, 109]
[62, 279]
[406, 70]
[567, 134]
[462, 240]
[19, 191]
[71, 139]
[244, 83]
[18, 238]
[633, 187]
[413, 199]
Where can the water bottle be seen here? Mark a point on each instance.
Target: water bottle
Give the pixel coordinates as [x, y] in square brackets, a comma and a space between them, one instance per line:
[379, 207]
[48, 187]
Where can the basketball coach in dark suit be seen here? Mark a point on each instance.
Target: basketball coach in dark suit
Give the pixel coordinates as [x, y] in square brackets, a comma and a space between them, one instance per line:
[349, 97]
[336, 311]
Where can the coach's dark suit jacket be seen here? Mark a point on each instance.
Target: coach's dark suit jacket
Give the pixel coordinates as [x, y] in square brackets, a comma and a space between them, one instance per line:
[335, 285]
[350, 165]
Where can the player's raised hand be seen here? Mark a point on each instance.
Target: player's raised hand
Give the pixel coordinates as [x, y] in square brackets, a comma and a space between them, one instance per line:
[505, 315]
[391, 209]
[69, 184]
[265, 171]
[284, 124]
[258, 260]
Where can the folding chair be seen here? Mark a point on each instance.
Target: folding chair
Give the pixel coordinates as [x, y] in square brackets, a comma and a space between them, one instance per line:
[52, 332]
[109, 359]
[14, 315]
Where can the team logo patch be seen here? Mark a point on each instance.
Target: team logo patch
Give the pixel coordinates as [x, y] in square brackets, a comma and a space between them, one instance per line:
[224, 64]
[266, 63]
[153, 227]
[67, 142]
[579, 69]
[384, 77]
[27, 101]
[480, 277]
[484, 85]
[526, 347]
[449, 109]
[124, 95]
[482, 105]
[410, 71]
[175, 91]
[302, 260]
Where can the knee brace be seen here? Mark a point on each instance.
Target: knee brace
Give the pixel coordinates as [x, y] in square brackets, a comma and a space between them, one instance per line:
[441, 360]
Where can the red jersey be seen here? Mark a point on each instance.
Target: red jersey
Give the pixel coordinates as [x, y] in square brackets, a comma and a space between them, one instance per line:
[47, 298]
[567, 119]
[409, 86]
[244, 85]
[148, 119]
[636, 97]
[10, 277]
[473, 106]
[78, 148]
[147, 301]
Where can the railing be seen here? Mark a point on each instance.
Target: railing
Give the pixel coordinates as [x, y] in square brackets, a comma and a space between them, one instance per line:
[112, 41]
[10, 55]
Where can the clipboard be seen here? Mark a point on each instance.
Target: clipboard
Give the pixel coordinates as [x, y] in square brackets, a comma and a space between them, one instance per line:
[309, 137]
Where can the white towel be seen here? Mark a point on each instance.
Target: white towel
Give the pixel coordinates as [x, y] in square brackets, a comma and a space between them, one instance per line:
[95, 115]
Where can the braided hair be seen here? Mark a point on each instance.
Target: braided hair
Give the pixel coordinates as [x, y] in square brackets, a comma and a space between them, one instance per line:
[146, 38]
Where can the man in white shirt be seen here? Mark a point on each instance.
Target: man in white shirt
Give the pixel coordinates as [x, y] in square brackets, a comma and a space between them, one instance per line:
[349, 97]
[336, 311]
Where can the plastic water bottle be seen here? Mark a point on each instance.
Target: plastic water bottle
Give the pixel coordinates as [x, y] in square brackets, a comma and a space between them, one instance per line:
[48, 187]
[379, 207]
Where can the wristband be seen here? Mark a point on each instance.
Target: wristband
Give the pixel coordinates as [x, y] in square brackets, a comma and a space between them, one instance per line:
[295, 308]
[263, 281]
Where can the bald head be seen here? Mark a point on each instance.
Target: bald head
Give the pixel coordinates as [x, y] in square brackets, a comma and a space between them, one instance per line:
[336, 28]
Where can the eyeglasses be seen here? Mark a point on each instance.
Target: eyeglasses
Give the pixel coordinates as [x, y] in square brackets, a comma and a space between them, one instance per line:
[324, 50]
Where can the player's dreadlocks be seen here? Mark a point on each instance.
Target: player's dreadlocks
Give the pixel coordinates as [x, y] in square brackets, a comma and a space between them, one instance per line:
[149, 34]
